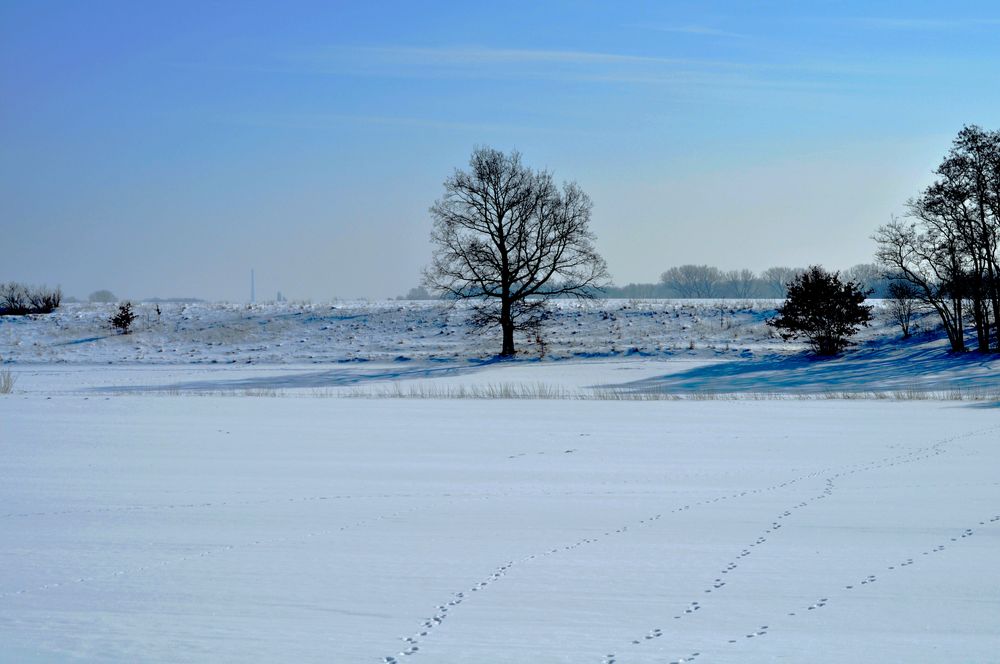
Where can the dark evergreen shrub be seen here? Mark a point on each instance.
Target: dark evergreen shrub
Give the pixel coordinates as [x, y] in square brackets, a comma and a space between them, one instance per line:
[823, 309]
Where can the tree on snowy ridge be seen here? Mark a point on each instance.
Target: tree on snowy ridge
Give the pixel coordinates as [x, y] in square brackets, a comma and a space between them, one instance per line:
[509, 238]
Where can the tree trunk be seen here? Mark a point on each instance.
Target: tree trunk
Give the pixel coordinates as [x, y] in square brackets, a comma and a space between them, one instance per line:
[981, 317]
[996, 325]
[956, 338]
[507, 326]
[945, 311]
[995, 301]
[960, 328]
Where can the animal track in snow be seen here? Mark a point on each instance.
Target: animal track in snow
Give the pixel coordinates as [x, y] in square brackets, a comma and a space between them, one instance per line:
[828, 474]
[442, 610]
[439, 616]
[906, 562]
[718, 583]
[885, 462]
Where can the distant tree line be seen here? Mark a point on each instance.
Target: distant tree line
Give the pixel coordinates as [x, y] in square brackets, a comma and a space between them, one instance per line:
[184, 300]
[107, 297]
[707, 282]
[102, 296]
[944, 251]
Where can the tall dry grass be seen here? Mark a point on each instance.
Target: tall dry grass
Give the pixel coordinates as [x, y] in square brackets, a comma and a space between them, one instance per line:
[7, 381]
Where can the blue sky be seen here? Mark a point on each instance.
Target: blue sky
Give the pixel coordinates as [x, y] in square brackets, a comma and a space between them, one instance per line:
[165, 149]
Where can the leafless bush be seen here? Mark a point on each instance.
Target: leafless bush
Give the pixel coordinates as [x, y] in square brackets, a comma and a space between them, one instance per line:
[18, 299]
[13, 299]
[45, 301]
[7, 380]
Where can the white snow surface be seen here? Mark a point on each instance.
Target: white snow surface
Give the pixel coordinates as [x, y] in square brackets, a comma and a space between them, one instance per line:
[163, 500]
[254, 529]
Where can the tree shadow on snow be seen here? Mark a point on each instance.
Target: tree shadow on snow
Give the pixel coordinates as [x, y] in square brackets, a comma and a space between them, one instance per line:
[921, 365]
[342, 376]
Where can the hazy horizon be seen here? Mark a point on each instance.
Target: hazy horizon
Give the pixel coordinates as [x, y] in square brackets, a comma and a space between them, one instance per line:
[164, 151]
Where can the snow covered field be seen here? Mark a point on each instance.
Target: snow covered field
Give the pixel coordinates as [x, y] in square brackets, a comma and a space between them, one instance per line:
[676, 347]
[162, 507]
[375, 332]
[332, 530]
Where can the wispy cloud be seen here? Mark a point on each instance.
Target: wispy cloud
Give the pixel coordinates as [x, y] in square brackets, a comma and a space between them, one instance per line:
[693, 30]
[333, 121]
[566, 65]
[462, 56]
[921, 24]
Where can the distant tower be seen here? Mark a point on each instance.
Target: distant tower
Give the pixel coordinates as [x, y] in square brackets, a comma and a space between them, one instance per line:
[253, 297]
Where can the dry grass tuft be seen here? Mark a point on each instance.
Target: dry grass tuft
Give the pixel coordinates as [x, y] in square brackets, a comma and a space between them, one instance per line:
[492, 391]
[7, 381]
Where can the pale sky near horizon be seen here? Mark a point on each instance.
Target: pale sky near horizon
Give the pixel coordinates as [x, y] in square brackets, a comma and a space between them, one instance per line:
[165, 149]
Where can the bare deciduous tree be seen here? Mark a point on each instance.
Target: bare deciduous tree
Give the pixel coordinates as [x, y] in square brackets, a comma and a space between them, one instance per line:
[692, 280]
[949, 252]
[777, 278]
[901, 305]
[741, 283]
[927, 258]
[871, 277]
[967, 196]
[509, 237]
